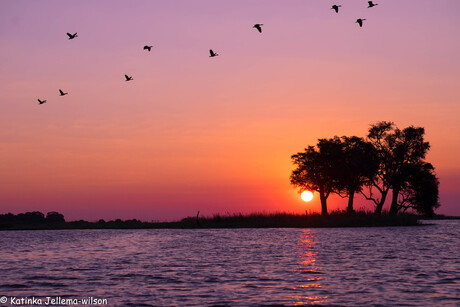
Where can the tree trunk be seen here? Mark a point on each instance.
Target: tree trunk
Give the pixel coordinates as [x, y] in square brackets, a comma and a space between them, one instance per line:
[351, 196]
[378, 209]
[394, 201]
[322, 197]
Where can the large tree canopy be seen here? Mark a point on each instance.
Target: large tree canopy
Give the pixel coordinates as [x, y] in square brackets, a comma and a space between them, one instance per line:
[421, 190]
[389, 160]
[398, 151]
[316, 169]
[358, 164]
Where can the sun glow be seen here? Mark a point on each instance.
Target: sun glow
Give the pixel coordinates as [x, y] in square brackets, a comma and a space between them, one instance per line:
[306, 195]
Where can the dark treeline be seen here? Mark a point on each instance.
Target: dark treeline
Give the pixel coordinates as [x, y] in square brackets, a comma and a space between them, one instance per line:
[37, 221]
[388, 159]
[29, 218]
[55, 220]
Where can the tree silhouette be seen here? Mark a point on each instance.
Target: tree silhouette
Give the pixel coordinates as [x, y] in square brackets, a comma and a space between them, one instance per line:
[410, 150]
[421, 191]
[34, 217]
[398, 152]
[390, 159]
[54, 217]
[380, 137]
[358, 164]
[316, 170]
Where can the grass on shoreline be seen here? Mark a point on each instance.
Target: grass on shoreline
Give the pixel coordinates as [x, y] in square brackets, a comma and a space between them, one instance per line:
[254, 220]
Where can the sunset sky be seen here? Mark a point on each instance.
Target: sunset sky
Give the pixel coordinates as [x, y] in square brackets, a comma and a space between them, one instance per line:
[192, 132]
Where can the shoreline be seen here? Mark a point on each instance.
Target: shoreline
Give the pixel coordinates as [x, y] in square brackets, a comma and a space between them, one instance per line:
[276, 220]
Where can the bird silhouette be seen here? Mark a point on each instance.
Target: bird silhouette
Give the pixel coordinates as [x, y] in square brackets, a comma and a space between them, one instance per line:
[371, 4]
[360, 21]
[72, 36]
[258, 26]
[336, 8]
[213, 54]
[41, 101]
[128, 78]
[62, 93]
[149, 48]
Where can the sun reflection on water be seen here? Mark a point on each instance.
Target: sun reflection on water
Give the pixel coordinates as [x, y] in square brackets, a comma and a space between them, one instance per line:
[308, 267]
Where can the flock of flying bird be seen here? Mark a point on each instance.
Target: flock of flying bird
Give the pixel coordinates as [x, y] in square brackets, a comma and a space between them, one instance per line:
[257, 26]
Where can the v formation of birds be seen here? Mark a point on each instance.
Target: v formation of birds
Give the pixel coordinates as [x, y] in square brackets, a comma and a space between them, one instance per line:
[257, 26]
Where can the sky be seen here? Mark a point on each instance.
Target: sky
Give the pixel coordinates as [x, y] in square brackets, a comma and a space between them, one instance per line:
[192, 132]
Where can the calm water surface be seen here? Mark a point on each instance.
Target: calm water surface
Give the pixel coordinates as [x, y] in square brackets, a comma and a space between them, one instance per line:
[406, 266]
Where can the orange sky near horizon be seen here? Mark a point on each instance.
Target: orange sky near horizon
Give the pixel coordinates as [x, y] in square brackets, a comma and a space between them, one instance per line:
[216, 134]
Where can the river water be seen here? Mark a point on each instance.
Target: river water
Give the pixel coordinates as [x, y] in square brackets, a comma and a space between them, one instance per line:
[406, 266]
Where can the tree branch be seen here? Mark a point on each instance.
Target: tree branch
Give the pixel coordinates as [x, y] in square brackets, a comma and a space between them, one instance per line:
[369, 198]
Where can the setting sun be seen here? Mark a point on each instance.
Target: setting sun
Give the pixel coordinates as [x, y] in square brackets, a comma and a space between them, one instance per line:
[306, 195]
